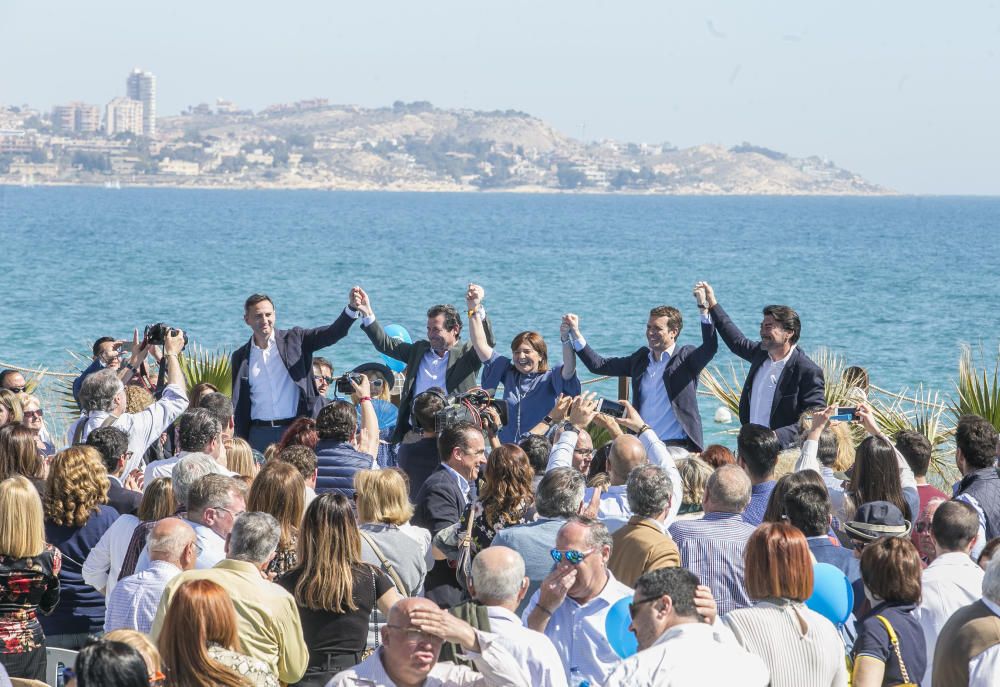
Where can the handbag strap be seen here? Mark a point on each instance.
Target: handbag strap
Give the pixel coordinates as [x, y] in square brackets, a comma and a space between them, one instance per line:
[895, 646]
[375, 607]
[386, 563]
[81, 425]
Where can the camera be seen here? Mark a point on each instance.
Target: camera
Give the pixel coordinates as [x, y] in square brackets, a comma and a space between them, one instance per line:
[470, 406]
[155, 334]
[344, 385]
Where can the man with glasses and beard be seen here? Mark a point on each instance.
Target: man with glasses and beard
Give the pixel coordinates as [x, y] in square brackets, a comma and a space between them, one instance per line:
[572, 604]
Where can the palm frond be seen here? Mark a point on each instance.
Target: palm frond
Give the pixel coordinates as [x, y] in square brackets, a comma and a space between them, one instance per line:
[201, 365]
[978, 390]
[726, 386]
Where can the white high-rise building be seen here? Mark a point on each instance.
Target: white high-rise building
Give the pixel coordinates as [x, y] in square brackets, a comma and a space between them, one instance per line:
[141, 86]
[124, 115]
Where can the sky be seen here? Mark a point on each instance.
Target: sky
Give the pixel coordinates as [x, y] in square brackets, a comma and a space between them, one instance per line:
[905, 93]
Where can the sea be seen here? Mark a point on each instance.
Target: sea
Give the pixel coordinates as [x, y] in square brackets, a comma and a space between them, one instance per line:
[894, 284]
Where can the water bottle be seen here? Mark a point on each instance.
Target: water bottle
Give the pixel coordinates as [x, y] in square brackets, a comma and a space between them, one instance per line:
[576, 678]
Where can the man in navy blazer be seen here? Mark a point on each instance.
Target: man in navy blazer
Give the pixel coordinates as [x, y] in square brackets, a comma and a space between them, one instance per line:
[445, 497]
[783, 382]
[807, 507]
[272, 372]
[664, 377]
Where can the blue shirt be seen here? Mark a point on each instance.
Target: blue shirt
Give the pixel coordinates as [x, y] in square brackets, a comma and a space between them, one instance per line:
[712, 548]
[529, 397]
[133, 602]
[760, 494]
[656, 408]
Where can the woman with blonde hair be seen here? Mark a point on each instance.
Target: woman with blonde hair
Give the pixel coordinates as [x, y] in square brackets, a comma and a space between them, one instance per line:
[10, 408]
[29, 579]
[335, 590]
[76, 517]
[33, 419]
[280, 491]
[200, 641]
[387, 538]
[144, 645]
[103, 567]
[695, 474]
[239, 459]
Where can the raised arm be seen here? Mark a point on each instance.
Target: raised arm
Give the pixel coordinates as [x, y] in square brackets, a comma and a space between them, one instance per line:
[702, 355]
[581, 414]
[368, 441]
[399, 350]
[568, 354]
[657, 454]
[592, 360]
[730, 333]
[477, 330]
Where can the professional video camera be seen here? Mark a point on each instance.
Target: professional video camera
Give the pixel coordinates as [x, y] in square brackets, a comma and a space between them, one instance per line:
[470, 406]
[156, 333]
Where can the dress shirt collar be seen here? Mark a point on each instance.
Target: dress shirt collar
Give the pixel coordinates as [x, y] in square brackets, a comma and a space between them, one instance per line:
[952, 559]
[463, 483]
[242, 567]
[763, 488]
[502, 614]
[609, 595]
[696, 629]
[780, 361]
[270, 342]
[664, 357]
[117, 480]
[163, 567]
[717, 515]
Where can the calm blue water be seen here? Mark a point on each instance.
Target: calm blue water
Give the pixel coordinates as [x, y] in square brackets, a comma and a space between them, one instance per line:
[895, 284]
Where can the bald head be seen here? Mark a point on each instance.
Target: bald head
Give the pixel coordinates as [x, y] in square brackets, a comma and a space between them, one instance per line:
[169, 539]
[727, 491]
[399, 614]
[498, 577]
[627, 453]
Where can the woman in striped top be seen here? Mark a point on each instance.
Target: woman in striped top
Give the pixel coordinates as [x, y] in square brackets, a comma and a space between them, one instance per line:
[799, 646]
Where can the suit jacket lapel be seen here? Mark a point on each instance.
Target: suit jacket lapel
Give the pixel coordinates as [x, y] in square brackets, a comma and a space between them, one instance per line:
[786, 374]
[279, 342]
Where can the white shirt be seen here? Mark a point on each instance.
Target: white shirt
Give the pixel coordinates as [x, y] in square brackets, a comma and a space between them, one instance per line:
[432, 371]
[104, 562]
[143, 428]
[165, 468]
[950, 582]
[765, 384]
[579, 634]
[495, 666]
[691, 655]
[984, 668]
[211, 548]
[614, 509]
[532, 650]
[273, 394]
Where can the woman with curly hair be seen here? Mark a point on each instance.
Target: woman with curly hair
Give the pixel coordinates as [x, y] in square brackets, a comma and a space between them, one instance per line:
[280, 491]
[29, 579]
[506, 496]
[75, 519]
[200, 642]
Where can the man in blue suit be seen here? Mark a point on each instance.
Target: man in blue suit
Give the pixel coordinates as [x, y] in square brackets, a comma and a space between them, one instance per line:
[664, 376]
[807, 507]
[783, 382]
[273, 371]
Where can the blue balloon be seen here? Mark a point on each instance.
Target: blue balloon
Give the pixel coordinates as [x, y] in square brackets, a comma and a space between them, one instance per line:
[616, 628]
[398, 332]
[833, 596]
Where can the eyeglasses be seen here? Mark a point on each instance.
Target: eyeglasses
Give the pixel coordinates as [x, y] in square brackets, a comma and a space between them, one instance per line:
[414, 635]
[323, 378]
[33, 413]
[18, 389]
[572, 556]
[634, 606]
[231, 512]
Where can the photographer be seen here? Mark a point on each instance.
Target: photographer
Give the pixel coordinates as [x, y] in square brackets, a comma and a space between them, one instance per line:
[342, 450]
[108, 355]
[102, 398]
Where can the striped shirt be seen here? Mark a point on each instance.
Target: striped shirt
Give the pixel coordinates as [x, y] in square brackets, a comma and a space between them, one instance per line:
[712, 548]
[133, 603]
[760, 494]
[772, 630]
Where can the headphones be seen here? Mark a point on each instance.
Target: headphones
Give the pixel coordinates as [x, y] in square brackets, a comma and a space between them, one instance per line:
[434, 391]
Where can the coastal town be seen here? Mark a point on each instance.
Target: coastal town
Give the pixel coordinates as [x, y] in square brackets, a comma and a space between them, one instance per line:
[406, 147]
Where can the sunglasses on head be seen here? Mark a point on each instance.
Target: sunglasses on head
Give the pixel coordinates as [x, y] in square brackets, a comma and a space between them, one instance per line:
[572, 556]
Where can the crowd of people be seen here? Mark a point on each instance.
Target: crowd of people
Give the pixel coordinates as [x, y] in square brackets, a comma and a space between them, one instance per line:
[433, 529]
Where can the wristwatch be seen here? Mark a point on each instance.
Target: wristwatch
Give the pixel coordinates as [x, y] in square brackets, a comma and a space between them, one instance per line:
[548, 420]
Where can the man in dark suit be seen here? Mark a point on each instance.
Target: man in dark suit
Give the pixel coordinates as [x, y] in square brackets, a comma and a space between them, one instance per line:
[445, 496]
[112, 444]
[807, 507]
[664, 377]
[440, 360]
[273, 371]
[783, 382]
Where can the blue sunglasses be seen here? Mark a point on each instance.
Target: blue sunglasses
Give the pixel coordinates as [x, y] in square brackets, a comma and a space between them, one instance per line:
[572, 556]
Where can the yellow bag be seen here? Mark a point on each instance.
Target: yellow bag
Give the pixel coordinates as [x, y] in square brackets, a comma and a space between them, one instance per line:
[899, 654]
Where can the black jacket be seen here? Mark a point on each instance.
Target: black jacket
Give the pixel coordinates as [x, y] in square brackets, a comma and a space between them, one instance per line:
[800, 387]
[440, 504]
[680, 377]
[296, 347]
